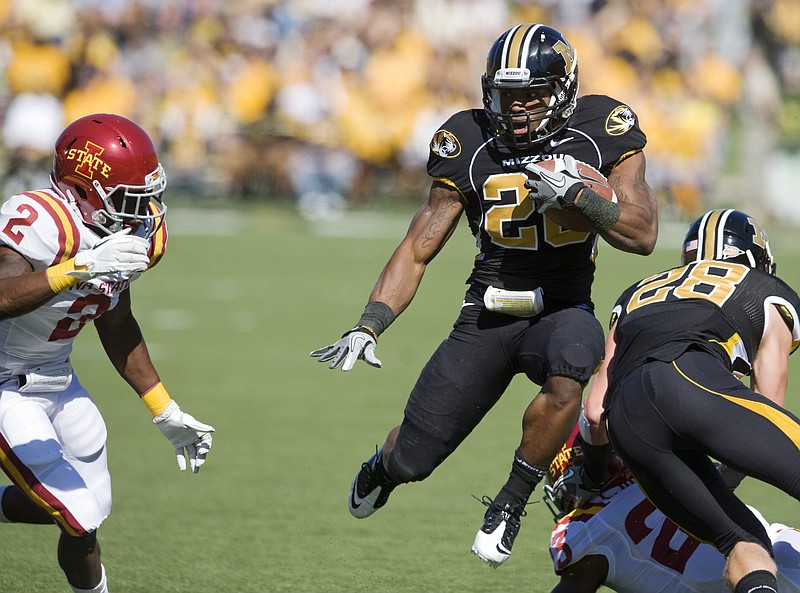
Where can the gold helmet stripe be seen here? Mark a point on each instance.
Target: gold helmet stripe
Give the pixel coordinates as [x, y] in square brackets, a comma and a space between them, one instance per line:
[517, 45]
[709, 237]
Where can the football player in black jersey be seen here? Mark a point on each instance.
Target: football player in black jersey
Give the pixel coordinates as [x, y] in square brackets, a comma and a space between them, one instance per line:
[670, 389]
[528, 308]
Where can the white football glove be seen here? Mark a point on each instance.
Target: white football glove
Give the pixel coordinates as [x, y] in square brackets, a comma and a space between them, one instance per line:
[119, 253]
[572, 490]
[355, 344]
[554, 189]
[190, 438]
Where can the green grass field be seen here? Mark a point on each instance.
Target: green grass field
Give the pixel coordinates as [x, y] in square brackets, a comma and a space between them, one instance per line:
[230, 319]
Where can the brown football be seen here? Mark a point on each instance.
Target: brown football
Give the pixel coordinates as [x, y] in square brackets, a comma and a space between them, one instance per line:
[594, 180]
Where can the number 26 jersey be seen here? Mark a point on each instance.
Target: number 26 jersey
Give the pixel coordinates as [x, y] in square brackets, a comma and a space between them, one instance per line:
[520, 249]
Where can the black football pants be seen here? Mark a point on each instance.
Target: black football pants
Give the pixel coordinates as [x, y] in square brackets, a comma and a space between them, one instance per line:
[472, 368]
[666, 418]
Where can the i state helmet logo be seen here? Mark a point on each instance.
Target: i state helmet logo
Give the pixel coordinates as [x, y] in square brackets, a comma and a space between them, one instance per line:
[620, 120]
[445, 144]
[88, 160]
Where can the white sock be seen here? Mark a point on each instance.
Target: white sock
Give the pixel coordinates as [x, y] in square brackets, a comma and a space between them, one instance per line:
[3, 518]
[101, 588]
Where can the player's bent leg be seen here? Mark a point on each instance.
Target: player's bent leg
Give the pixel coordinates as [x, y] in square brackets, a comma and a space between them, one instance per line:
[547, 423]
[38, 467]
[82, 430]
[15, 507]
[549, 419]
[559, 352]
[448, 400]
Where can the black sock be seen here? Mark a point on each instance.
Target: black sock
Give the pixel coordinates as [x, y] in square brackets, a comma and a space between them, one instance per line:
[758, 581]
[521, 482]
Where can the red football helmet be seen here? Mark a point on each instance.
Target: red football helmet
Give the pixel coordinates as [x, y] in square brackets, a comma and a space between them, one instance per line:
[108, 167]
[571, 456]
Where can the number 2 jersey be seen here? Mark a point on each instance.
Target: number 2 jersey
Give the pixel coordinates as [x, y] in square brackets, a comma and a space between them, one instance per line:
[46, 230]
[520, 249]
[647, 552]
[715, 306]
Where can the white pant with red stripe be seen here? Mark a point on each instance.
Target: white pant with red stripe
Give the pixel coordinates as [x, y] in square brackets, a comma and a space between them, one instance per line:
[52, 446]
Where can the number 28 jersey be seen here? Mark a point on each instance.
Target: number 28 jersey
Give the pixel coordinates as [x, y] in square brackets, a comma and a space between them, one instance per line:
[520, 249]
[46, 230]
[716, 306]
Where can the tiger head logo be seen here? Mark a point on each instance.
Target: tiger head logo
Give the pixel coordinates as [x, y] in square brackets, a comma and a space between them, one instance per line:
[445, 144]
[620, 120]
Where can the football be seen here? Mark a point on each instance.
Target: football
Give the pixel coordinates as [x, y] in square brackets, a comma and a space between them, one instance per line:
[594, 180]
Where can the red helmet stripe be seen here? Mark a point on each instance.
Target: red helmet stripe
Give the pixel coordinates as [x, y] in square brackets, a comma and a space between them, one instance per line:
[68, 232]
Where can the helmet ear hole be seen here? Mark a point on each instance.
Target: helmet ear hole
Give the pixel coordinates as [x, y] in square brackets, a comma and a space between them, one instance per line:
[81, 192]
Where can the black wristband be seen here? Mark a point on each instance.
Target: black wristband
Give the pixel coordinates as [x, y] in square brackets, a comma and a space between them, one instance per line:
[602, 213]
[378, 316]
[595, 461]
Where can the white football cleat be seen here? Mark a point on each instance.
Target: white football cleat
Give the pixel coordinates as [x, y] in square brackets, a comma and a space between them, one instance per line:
[495, 538]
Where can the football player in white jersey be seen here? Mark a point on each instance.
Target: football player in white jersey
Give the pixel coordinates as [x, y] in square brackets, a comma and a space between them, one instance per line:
[619, 540]
[68, 254]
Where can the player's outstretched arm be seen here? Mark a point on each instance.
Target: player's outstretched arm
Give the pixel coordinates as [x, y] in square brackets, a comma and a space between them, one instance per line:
[636, 230]
[126, 349]
[431, 227]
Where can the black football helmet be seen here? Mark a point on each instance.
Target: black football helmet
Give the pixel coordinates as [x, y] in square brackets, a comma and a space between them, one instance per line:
[531, 57]
[728, 235]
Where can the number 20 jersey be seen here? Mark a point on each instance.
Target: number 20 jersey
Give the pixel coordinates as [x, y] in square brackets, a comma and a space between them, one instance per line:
[520, 249]
[46, 230]
[716, 306]
[648, 552]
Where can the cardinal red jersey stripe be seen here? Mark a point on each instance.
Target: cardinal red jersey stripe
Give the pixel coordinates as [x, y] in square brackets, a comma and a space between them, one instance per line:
[68, 232]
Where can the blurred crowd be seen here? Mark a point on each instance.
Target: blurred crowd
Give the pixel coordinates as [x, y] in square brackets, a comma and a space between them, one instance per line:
[332, 103]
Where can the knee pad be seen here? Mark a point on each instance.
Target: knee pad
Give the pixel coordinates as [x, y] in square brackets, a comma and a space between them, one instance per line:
[568, 343]
[575, 361]
[81, 428]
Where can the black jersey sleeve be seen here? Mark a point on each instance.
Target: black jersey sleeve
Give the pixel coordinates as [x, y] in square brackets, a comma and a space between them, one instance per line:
[454, 144]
